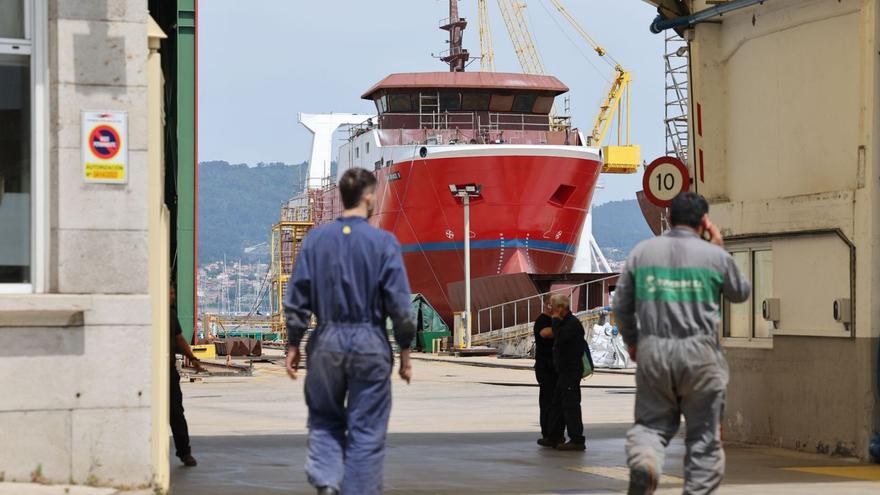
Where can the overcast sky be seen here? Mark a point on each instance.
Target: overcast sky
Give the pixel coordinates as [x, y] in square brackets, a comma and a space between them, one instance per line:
[262, 61]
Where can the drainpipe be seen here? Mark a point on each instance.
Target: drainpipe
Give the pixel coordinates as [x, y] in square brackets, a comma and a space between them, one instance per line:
[659, 25]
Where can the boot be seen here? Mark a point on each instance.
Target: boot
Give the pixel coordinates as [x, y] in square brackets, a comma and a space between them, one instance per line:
[572, 447]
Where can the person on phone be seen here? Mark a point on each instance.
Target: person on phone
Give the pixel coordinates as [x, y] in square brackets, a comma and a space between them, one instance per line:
[350, 275]
[545, 373]
[568, 354]
[667, 307]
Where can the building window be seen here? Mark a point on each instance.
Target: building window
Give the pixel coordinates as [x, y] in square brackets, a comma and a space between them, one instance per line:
[16, 146]
[367, 148]
[357, 152]
[745, 322]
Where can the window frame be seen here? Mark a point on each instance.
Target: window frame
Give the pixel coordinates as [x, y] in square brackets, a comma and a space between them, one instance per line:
[35, 46]
[751, 341]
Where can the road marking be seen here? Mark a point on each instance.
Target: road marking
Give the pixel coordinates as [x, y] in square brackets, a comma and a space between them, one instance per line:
[621, 474]
[867, 473]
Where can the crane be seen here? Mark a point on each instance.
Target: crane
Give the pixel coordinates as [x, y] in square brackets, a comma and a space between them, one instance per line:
[623, 157]
[487, 54]
[521, 36]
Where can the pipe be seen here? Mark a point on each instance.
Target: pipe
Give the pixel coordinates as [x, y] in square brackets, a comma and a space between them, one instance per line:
[659, 25]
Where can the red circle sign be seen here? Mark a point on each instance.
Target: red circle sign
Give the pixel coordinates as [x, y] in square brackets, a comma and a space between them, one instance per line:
[104, 142]
[665, 178]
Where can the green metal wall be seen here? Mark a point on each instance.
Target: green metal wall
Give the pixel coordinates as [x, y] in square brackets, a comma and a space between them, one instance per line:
[186, 159]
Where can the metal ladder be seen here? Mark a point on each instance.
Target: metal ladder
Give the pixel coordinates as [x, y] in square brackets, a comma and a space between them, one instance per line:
[429, 109]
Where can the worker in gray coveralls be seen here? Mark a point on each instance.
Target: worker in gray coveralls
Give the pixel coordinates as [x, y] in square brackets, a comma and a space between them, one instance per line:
[667, 306]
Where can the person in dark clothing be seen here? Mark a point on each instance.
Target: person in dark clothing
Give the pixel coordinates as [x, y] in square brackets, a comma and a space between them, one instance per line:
[545, 372]
[179, 429]
[568, 352]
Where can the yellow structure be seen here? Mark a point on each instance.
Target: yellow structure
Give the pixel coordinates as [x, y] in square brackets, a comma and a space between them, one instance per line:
[286, 243]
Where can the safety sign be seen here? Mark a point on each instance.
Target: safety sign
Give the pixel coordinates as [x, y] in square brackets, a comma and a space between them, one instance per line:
[664, 179]
[105, 147]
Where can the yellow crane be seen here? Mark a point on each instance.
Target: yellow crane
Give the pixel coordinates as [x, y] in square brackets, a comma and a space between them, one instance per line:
[622, 157]
[520, 36]
[487, 55]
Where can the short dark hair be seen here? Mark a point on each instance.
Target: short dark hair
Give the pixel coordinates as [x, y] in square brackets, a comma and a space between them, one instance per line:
[688, 209]
[353, 184]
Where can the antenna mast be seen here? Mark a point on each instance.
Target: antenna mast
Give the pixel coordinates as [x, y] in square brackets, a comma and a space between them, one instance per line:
[457, 56]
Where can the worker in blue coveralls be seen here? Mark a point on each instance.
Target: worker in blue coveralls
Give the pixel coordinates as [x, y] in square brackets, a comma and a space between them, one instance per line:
[350, 275]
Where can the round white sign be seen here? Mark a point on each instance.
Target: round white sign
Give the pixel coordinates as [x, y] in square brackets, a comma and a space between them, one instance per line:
[665, 178]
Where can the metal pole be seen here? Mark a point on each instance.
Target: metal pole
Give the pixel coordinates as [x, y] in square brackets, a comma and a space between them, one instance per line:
[467, 268]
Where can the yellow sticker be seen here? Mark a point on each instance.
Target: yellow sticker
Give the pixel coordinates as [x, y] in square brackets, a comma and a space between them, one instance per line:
[346, 230]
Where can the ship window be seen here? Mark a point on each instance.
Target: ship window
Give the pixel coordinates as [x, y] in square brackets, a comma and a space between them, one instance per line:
[357, 152]
[366, 147]
[475, 101]
[399, 103]
[450, 102]
[523, 103]
[382, 104]
[543, 104]
[500, 103]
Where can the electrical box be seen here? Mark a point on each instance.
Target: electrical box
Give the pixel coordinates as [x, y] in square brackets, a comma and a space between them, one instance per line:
[770, 309]
[842, 310]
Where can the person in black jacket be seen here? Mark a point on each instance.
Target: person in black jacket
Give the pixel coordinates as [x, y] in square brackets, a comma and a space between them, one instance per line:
[545, 372]
[568, 353]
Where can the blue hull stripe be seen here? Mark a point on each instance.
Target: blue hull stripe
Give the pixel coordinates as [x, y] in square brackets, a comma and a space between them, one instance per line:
[492, 244]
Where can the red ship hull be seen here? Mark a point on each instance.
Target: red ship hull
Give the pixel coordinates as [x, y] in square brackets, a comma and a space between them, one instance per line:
[528, 219]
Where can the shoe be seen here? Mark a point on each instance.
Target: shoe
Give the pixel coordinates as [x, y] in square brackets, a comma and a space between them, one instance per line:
[546, 442]
[571, 446]
[326, 490]
[189, 461]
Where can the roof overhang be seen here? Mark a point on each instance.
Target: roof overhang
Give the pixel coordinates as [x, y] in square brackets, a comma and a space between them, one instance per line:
[468, 80]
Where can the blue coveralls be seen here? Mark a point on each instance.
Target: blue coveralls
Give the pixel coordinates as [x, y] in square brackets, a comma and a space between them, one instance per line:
[351, 276]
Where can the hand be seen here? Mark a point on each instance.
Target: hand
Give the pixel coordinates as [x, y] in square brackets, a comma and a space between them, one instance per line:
[714, 234]
[405, 366]
[196, 363]
[631, 349]
[291, 363]
[546, 333]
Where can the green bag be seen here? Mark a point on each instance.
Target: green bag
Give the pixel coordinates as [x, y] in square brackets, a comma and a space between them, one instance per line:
[588, 362]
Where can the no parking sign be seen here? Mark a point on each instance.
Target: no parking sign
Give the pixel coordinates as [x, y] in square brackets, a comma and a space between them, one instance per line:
[105, 147]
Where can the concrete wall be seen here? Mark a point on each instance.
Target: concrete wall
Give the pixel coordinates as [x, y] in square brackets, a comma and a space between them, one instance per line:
[787, 141]
[77, 362]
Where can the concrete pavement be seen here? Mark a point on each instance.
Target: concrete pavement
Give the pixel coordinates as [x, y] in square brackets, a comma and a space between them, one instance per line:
[463, 429]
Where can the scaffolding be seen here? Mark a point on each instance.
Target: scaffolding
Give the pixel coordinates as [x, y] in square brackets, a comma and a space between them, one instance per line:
[286, 242]
[676, 110]
[299, 215]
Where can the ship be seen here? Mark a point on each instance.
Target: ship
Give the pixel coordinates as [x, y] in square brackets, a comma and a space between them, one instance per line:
[435, 131]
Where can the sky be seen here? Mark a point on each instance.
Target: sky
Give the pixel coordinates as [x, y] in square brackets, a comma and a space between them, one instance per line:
[263, 61]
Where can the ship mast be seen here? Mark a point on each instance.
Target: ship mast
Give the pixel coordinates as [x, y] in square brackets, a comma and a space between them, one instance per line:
[457, 57]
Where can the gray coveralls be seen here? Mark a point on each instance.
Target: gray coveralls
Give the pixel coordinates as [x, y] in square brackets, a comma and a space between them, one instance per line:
[667, 303]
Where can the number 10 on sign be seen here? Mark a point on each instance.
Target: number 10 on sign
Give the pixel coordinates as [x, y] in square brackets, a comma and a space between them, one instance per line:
[664, 179]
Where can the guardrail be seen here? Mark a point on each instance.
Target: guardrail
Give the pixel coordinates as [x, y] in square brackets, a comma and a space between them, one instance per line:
[511, 317]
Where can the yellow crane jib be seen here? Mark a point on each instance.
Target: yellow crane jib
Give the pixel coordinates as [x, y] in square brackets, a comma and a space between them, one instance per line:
[487, 54]
[622, 158]
[520, 36]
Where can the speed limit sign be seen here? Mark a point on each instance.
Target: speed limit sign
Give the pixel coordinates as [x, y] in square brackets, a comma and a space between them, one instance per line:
[664, 179]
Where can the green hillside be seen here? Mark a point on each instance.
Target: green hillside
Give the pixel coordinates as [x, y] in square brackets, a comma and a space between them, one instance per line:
[238, 204]
[618, 226]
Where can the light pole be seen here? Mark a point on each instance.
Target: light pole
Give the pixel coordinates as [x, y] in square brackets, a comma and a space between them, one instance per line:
[466, 192]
